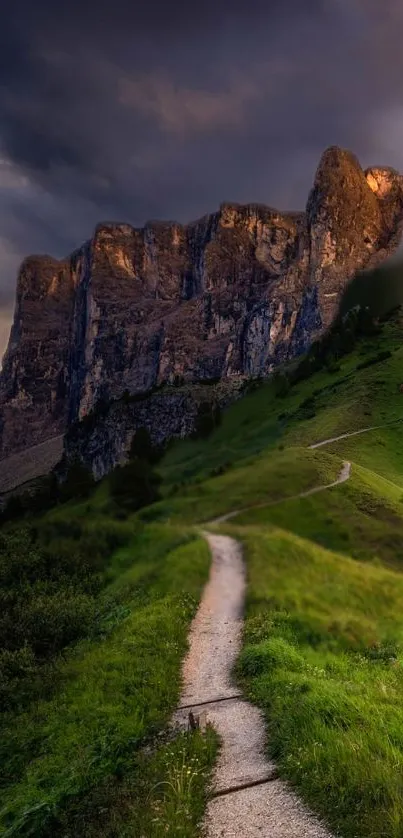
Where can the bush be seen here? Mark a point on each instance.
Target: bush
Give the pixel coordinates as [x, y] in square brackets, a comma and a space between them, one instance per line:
[307, 408]
[78, 484]
[14, 508]
[221, 469]
[134, 485]
[48, 622]
[50, 574]
[43, 609]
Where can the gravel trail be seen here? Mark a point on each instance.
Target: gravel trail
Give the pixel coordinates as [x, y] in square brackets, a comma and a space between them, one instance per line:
[354, 433]
[248, 799]
[343, 476]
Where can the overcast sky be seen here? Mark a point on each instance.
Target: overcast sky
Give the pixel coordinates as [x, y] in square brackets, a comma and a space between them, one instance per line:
[157, 109]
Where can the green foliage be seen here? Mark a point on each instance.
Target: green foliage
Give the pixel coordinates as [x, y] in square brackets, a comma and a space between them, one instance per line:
[379, 290]
[265, 480]
[50, 574]
[78, 482]
[323, 657]
[42, 495]
[95, 611]
[134, 485]
[169, 784]
[344, 334]
[377, 359]
[14, 508]
[142, 448]
[116, 599]
[208, 418]
[281, 384]
[268, 654]
[323, 638]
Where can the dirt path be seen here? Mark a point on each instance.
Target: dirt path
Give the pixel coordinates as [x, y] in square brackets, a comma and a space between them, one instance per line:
[353, 433]
[343, 476]
[249, 800]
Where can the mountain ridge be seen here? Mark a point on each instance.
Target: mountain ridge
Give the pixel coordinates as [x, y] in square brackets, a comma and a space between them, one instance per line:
[229, 296]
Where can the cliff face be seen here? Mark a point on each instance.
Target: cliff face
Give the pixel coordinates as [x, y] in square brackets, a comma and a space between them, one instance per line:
[231, 295]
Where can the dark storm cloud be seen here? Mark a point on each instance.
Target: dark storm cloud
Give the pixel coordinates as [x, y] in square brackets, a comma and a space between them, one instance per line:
[165, 109]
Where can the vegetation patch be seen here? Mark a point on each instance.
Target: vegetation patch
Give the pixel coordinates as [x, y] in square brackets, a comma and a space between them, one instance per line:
[95, 619]
[97, 595]
[323, 656]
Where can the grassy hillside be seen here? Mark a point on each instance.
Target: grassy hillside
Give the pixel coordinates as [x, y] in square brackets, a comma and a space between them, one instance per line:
[323, 657]
[350, 396]
[83, 711]
[90, 675]
[323, 641]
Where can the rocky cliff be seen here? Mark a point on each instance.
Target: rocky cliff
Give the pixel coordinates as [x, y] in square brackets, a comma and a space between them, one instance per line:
[226, 297]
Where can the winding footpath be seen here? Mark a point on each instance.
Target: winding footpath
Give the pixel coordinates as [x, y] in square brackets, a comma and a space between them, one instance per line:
[343, 476]
[248, 799]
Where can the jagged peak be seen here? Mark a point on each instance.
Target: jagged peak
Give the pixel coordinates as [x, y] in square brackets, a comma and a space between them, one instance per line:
[108, 227]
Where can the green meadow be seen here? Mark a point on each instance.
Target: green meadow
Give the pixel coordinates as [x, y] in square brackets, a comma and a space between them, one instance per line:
[97, 608]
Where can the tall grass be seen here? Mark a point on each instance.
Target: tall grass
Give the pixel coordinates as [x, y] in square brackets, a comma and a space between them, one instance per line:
[84, 726]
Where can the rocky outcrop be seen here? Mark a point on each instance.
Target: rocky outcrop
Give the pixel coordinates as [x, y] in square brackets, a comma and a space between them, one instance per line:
[102, 439]
[230, 296]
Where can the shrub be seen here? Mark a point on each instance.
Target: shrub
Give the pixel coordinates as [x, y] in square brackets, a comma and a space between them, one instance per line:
[48, 622]
[134, 485]
[78, 484]
[49, 576]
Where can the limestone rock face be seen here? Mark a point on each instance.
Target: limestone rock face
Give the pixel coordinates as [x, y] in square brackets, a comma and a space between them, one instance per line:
[34, 383]
[229, 296]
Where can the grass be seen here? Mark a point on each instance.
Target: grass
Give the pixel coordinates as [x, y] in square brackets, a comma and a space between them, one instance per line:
[86, 749]
[265, 479]
[322, 656]
[163, 793]
[345, 400]
[362, 518]
[112, 694]
[323, 639]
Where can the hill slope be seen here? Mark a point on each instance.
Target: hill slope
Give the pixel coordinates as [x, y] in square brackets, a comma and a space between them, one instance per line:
[323, 638]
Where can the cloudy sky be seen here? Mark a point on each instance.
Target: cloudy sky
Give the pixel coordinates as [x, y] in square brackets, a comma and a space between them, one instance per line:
[165, 108]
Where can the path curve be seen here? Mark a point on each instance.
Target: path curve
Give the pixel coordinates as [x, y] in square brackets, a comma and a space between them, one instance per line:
[354, 433]
[344, 475]
[249, 800]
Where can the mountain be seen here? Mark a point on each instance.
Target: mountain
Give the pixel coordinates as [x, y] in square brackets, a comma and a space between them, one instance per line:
[134, 312]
